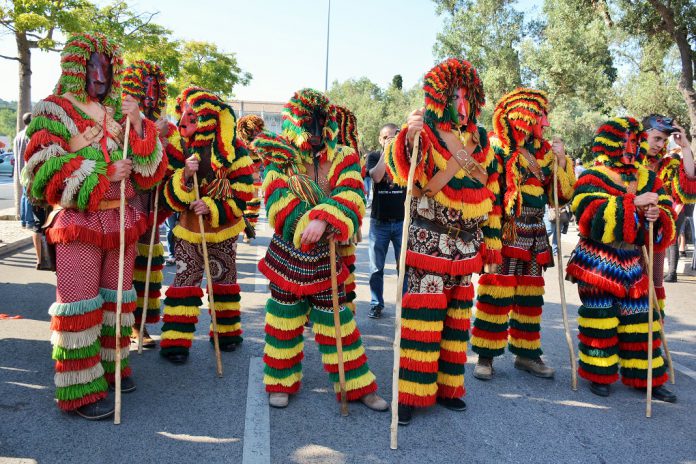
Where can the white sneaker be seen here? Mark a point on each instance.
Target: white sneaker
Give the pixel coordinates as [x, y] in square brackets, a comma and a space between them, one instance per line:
[278, 400]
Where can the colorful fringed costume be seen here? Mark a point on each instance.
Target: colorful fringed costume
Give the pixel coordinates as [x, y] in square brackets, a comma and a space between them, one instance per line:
[682, 190]
[225, 182]
[509, 303]
[348, 136]
[452, 234]
[70, 170]
[248, 127]
[607, 261]
[135, 84]
[300, 276]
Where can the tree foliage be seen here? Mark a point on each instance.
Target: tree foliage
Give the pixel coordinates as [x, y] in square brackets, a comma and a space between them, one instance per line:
[373, 106]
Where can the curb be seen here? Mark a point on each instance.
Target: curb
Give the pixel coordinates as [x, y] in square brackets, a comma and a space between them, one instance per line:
[10, 248]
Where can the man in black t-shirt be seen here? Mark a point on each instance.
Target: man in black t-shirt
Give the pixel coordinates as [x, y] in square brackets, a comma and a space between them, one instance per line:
[386, 219]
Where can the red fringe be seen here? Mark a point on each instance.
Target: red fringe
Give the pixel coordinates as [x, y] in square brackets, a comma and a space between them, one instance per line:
[599, 342]
[444, 265]
[531, 311]
[445, 391]
[597, 378]
[660, 293]
[111, 377]
[425, 336]
[331, 341]
[227, 313]
[294, 388]
[300, 290]
[454, 357]
[283, 214]
[493, 309]
[76, 323]
[585, 223]
[109, 241]
[458, 324]
[226, 289]
[640, 288]
[492, 257]
[349, 365]
[530, 336]
[643, 383]
[180, 342]
[462, 292]
[424, 301]
[498, 280]
[283, 363]
[354, 395]
[639, 346]
[530, 281]
[418, 366]
[146, 183]
[180, 319]
[516, 253]
[341, 228]
[543, 258]
[71, 405]
[595, 280]
[184, 292]
[486, 335]
[416, 401]
[110, 342]
[231, 333]
[125, 307]
[70, 365]
[283, 334]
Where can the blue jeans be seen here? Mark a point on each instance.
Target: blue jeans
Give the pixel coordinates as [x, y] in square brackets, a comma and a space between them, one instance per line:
[169, 224]
[551, 231]
[367, 181]
[26, 215]
[381, 233]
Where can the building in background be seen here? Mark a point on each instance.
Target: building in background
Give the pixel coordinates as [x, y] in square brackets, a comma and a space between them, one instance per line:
[269, 112]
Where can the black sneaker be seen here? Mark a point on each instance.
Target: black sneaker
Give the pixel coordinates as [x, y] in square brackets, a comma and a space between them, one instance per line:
[127, 385]
[96, 411]
[375, 312]
[405, 414]
[661, 393]
[175, 358]
[600, 389]
[453, 404]
[670, 278]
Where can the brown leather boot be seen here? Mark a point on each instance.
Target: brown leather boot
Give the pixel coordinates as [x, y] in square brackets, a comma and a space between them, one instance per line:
[484, 368]
[534, 366]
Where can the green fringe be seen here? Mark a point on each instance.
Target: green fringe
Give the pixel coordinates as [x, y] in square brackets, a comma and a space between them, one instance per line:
[228, 298]
[598, 313]
[110, 331]
[490, 326]
[450, 368]
[514, 324]
[424, 314]
[351, 374]
[284, 344]
[330, 349]
[598, 352]
[529, 301]
[326, 318]
[179, 327]
[525, 353]
[508, 301]
[287, 311]
[110, 366]
[282, 373]
[191, 301]
[418, 377]
[420, 346]
[74, 392]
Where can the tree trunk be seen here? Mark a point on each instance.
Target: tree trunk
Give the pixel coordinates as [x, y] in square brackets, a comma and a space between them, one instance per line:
[23, 102]
[686, 83]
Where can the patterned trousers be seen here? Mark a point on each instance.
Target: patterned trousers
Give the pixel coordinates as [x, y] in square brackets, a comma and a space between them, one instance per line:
[83, 321]
[286, 315]
[508, 310]
[613, 332]
[183, 299]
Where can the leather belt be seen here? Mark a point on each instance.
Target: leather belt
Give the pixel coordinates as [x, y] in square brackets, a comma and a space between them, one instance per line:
[109, 204]
[454, 232]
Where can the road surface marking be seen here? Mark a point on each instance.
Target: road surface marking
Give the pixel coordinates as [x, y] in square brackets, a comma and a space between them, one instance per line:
[257, 422]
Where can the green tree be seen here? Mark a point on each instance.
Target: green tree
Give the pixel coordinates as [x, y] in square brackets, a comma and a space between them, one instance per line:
[8, 124]
[203, 64]
[486, 33]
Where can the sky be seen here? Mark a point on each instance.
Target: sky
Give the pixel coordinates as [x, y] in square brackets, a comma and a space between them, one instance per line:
[282, 43]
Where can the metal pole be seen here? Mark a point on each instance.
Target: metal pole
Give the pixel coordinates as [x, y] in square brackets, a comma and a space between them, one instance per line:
[326, 68]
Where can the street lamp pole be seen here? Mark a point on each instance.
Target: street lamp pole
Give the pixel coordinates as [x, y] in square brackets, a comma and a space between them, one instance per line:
[326, 68]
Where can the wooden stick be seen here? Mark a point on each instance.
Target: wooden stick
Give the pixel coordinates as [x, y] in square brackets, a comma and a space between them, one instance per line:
[651, 295]
[337, 326]
[394, 442]
[119, 285]
[208, 278]
[148, 268]
[668, 355]
[561, 282]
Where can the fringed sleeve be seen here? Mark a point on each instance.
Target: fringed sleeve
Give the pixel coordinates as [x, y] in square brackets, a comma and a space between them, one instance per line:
[345, 207]
[174, 150]
[605, 214]
[491, 227]
[398, 159]
[149, 159]
[283, 208]
[566, 184]
[55, 175]
[684, 186]
[178, 192]
[664, 229]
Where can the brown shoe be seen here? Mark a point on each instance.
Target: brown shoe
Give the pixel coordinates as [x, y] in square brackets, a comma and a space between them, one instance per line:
[374, 402]
[148, 342]
[484, 368]
[535, 367]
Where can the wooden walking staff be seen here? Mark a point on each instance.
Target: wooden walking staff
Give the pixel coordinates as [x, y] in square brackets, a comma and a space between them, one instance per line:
[337, 326]
[394, 442]
[146, 291]
[668, 355]
[561, 282]
[651, 295]
[119, 285]
[208, 278]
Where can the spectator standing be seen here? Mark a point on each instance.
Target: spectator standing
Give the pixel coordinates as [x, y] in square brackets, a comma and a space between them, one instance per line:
[386, 219]
[26, 215]
[579, 168]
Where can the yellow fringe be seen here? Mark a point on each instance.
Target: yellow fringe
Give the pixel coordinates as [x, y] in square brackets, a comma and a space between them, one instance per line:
[526, 344]
[600, 323]
[485, 343]
[643, 176]
[176, 335]
[279, 205]
[454, 345]
[529, 290]
[492, 318]
[210, 237]
[607, 142]
[610, 221]
[157, 249]
[187, 311]
[639, 328]
[348, 355]
[283, 323]
[525, 319]
[155, 276]
[417, 389]
[214, 216]
[153, 303]
[356, 383]
[600, 362]
[642, 363]
[329, 330]
[422, 326]
[223, 328]
[286, 382]
[423, 356]
[283, 353]
[450, 380]
[496, 291]
[183, 194]
[227, 306]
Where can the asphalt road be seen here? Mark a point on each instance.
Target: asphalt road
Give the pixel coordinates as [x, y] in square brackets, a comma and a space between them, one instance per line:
[6, 192]
[187, 414]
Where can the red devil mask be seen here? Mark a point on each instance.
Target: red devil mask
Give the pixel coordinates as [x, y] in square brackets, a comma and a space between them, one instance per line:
[188, 122]
[99, 76]
[151, 98]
